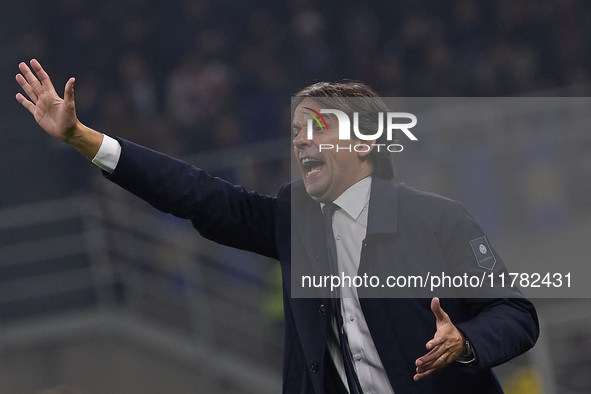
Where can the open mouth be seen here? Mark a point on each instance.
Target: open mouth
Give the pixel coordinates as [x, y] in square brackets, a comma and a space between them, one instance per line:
[311, 166]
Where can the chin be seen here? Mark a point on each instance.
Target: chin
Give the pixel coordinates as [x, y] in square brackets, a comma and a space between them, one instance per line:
[313, 192]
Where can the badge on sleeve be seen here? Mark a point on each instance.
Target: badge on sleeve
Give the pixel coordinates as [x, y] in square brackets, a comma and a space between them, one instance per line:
[483, 252]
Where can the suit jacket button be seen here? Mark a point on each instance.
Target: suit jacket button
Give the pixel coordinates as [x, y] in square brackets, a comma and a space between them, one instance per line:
[314, 366]
[322, 310]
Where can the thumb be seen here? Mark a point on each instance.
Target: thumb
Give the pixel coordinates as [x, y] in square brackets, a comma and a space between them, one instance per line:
[439, 313]
[69, 91]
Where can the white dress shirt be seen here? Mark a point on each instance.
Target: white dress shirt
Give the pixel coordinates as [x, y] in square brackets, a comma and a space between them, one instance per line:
[108, 154]
[349, 226]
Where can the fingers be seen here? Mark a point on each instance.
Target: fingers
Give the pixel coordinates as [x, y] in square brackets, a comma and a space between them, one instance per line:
[436, 341]
[32, 86]
[25, 103]
[431, 362]
[427, 368]
[28, 74]
[439, 313]
[43, 77]
[69, 91]
[430, 357]
[26, 87]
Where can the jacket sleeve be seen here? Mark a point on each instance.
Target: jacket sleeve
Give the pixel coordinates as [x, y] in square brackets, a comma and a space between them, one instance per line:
[498, 328]
[220, 211]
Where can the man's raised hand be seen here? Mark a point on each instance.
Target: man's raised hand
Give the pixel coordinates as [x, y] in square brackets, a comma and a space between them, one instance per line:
[55, 115]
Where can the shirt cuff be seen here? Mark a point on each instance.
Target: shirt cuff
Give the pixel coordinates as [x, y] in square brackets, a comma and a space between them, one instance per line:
[108, 154]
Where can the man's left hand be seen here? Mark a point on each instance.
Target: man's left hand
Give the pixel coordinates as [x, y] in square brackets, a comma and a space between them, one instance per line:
[445, 347]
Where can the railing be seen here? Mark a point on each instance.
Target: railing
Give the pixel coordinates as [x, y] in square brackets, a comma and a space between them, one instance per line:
[87, 256]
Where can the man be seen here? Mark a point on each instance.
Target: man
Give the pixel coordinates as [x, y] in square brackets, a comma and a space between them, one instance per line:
[353, 344]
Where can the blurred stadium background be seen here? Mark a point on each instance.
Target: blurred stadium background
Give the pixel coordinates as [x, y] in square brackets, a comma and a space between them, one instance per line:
[103, 294]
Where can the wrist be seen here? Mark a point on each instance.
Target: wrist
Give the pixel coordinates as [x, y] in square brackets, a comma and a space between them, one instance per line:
[74, 133]
[70, 132]
[85, 140]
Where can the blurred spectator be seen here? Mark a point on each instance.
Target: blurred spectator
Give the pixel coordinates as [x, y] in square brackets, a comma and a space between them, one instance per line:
[138, 85]
[198, 91]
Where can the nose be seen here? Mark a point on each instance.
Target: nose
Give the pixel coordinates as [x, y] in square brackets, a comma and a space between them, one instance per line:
[300, 141]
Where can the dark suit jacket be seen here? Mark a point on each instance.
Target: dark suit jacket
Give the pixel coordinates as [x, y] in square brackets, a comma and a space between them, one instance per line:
[403, 224]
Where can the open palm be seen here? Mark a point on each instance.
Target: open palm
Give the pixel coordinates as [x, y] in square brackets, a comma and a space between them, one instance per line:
[55, 115]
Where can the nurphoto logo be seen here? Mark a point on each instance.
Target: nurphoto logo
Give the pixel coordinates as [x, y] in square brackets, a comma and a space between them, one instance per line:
[392, 124]
[345, 129]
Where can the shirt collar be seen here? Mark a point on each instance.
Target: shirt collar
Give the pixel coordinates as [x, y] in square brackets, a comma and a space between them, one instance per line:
[355, 198]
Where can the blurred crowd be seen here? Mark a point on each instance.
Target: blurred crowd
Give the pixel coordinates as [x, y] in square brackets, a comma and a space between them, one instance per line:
[192, 77]
[189, 76]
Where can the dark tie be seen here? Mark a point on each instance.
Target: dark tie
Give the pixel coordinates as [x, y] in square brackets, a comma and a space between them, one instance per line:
[352, 380]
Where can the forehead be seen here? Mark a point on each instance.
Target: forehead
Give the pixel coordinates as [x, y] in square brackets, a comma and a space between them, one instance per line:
[307, 102]
[301, 114]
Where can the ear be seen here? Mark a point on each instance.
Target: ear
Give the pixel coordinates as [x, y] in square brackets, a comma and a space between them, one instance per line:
[364, 154]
